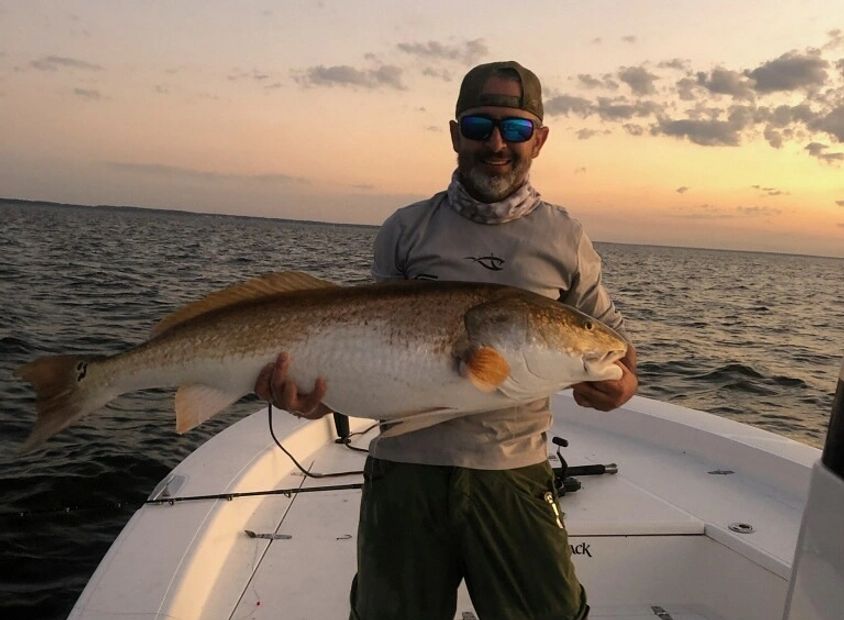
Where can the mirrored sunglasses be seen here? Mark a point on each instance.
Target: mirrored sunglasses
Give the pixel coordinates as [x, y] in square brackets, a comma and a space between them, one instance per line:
[480, 126]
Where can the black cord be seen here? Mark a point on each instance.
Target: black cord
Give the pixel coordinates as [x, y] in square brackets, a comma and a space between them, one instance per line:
[347, 440]
[296, 463]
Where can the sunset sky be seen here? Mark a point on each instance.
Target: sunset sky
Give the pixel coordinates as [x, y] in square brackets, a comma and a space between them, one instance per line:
[692, 123]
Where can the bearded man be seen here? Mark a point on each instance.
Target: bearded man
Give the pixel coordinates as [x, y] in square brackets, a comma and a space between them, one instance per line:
[473, 498]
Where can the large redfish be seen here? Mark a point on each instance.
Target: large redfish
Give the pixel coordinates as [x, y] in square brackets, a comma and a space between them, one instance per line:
[415, 353]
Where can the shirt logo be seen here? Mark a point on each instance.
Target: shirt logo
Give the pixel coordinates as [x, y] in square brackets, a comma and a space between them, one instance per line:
[491, 262]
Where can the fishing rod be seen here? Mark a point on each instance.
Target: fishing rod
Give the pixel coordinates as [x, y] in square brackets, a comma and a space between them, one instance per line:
[131, 506]
[230, 496]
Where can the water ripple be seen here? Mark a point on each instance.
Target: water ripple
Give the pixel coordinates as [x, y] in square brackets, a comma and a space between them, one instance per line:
[719, 331]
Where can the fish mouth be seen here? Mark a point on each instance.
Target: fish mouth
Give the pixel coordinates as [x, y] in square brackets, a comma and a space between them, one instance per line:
[596, 363]
[608, 357]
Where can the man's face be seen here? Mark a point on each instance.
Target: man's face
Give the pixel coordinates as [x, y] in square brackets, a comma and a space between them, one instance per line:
[492, 169]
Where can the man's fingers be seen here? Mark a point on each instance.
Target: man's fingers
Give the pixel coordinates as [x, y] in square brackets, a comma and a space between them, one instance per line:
[280, 370]
[262, 384]
[273, 385]
[590, 395]
[289, 396]
[309, 403]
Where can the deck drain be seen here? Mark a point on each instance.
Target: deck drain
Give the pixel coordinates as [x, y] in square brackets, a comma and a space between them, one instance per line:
[742, 528]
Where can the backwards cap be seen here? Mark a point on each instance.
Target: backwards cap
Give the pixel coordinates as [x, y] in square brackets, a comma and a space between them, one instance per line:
[472, 95]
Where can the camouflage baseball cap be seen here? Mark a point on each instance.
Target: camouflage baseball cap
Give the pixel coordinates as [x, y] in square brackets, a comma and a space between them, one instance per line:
[472, 95]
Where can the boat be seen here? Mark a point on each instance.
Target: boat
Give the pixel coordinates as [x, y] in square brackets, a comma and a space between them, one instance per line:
[672, 514]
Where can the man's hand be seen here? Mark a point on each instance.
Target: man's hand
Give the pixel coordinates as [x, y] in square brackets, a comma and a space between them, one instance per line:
[608, 395]
[272, 385]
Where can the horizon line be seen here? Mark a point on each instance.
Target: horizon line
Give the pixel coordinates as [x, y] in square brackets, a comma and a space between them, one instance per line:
[30, 202]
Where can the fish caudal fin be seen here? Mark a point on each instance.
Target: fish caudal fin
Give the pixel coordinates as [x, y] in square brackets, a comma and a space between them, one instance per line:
[64, 393]
[196, 402]
[485, 367]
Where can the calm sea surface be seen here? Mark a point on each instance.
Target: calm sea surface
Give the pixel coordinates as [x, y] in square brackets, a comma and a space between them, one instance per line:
[753, 337]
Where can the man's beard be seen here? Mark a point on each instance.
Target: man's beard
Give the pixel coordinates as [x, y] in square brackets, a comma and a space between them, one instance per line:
[490, 188]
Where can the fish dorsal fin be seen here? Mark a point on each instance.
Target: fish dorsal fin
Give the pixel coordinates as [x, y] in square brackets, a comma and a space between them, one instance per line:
[250, 290]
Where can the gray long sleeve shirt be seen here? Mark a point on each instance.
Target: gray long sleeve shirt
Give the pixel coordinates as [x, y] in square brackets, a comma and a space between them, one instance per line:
[546, 252]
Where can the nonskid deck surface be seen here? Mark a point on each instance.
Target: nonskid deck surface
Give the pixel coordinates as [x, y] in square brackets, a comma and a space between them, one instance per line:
[638, 554]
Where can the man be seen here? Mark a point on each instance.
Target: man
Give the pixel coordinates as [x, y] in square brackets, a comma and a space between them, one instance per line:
[473, 498]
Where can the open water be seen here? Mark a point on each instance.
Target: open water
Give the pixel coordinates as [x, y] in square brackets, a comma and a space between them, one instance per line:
[754, 337]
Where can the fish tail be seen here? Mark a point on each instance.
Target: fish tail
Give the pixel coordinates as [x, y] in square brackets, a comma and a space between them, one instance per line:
[64, 393]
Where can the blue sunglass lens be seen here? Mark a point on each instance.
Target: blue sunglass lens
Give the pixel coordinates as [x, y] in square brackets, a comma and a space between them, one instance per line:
[516, 129]
[476, 127]
[512, 129]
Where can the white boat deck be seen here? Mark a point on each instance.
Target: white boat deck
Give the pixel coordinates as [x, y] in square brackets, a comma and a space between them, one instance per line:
[652, 541]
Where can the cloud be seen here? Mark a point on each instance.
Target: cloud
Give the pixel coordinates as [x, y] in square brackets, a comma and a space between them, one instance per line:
[687, 89]
[563, 105]
[699, 212]
[758, 211]
[836, 39]
[784, 115]
[831, 123]
[816, 149]
[388, 76]
[640, 80]
[773, 137]
[633, 129]
[193, 174]
[621, 109]
[255, 74]
[87, 93]
[770, 191]
[726, 82]
[585, 134]
[713, 212]
[706, 132]
[54, 63]
[441, 74]
[675, 63]
[589, 82]
[791, 71]
[765, 101]
[469, 52]
[703, 132]
[682, 190]
[606, 108]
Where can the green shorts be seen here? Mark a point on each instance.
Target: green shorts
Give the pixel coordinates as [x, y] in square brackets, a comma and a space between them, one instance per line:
[423, 528]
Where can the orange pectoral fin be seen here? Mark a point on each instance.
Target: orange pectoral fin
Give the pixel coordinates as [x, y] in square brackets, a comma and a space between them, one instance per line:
[485, 367]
